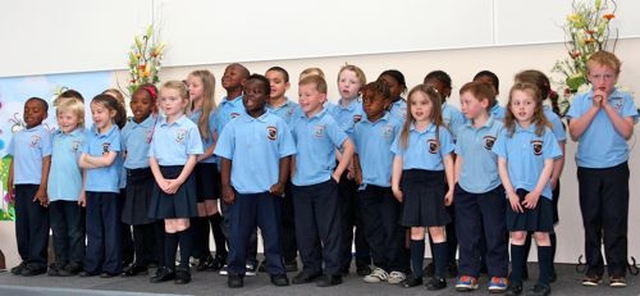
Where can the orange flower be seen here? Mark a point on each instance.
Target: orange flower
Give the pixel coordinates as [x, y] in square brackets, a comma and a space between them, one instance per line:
[590, 32]
[609, 16]
[589, 40]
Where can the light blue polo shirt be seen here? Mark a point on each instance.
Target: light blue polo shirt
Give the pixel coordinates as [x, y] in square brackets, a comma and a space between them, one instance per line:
[103, 179]
[28, 147]
[600, 146]
[525, 154]
[453, 119]
[65, 179]
[173, 143]
[373, 144]
[556, 124]
[424, 151]
[255, 147]
[289, 111]
[195, 116]
[479, 166]
[317, 139]
[498, 112]
[227, 110]
[136, 139]
[347, 116]
[399, 108]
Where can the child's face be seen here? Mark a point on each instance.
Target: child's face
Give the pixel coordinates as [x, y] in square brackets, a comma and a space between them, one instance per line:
[34, 113]
[277, 84]
[141, 105]
[421, 107]
[254, 97]
[310, 99]
[602, 78]
[67, 121]
[171, 102]
[444, 91]
[471, 107]
[394, 86]
[233, 77]
[523, 107]
[374, 105]
[348, 84]
[101, 115]
[196, 88]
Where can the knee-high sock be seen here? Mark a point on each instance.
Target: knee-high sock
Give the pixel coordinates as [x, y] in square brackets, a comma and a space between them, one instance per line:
[518, 263]
[440, 258]
[220, 240]
[186, 244]
[545, 264]
[170, 248]
[417, 257]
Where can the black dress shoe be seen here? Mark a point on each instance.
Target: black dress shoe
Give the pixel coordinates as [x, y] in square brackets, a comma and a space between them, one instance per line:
[106, 275]
[515, 288]
[411, 281]
[205, 263]
[183, 276]
[303, 278]
[436, 283]
[135, 269]
[279, 280]
[235, 281]
[329, 281]
[17, 270]
[163, 274]
[33, 270]
[539, 290]
[218, 262]
[85, 273]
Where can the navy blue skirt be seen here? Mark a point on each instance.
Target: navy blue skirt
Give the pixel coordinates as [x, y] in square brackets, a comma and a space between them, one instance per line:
[138, 197]
[182, 204]
[207, 181]
[423, 204]
[538, 219]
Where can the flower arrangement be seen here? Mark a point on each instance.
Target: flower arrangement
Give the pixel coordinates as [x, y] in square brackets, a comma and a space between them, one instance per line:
[7, 207]
[145, 59]
[587, 30]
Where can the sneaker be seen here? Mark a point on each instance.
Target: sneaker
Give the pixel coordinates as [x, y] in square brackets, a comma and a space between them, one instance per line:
[376, 276]
[539, 290]
[436, 283]
[466, 283]
[223, 271]
[396, 277]
[498, 284]
[617, 282]
[252, 270]
[591, 280]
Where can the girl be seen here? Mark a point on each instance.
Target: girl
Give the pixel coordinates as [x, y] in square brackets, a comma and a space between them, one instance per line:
[136, 138]
[423, 157]
[552, 113]
[203, 106]
[172, 157]
[397, 87]
[526, 149]
[102, 159]
[65, 188]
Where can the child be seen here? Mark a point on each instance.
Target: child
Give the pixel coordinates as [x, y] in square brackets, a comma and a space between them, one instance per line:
[347, 112]
[102, 160]
[602, 120]
[311, 71]
[480, 206]
[174, 194]
[288, 110]
[397, 87]
[136, 138]
[201, 85]
[29, 173]
[526, 148]
[373, 136]
[316, 200]
[491, 78]
[252, 186]
[557, 127]
[66, 95]
[65, 188]
[424, 162]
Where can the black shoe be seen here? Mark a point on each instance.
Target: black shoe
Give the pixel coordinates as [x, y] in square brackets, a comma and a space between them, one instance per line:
[280, 280]
[85, 273]
[539, 290]
[553, 277]
[452, 270]
[525, 273]
[291, 265]
[514, 288]
[363, 270]
[411, 281]
[33, 270]
[55, 268]
[235, 281]
[73, 268]
[135, 269]
[436, 283]
[204, 263]
[163, 274]
[429, 270]
[183, 276]
[17, 270]
[303, 278]
[106, 275]
[218, 262]
[329, 281]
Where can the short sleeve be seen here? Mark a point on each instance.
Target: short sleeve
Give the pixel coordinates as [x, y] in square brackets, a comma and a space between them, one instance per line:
[225, 145]
[287, 146]
[500, 146]
[194, 141]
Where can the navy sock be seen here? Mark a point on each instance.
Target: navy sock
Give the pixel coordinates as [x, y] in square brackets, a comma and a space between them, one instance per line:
[170, 248]
[417, 257]
[545, 263]
[186, 243]
[440, 257]
[554, 242]
[517, 263]
[216, 220]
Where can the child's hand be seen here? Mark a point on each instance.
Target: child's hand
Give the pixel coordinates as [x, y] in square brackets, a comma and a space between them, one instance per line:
[397, 193]
[41, 197]
[514, 200]
[599, 97]
[164, 185]
[277, 189]
[11, 198]
[335, 178]
[531, 200]
[82, 201]
[228, 195]
[448, 198]
[173, 186]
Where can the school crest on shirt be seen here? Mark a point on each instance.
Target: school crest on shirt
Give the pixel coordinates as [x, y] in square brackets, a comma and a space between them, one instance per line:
[617, 103]
[357, 118]
[387, 131]
[272, 133]
[35, 141]
[105, 147]
[537, 147]
[488, 142]
[434, 146]
[234, 115]
[180, 135]
[75, 146]
[318, 131]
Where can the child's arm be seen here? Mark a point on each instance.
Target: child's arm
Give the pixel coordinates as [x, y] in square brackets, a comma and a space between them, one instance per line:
[531, 199]
[10, 182]
[92, 162]
[225, 181]
[514, 200]
[345, 160]
[357, 169]
[41, 194]
[82, 199]
[623, 125]
[157, 174]
[449, 171]
[175, 184]
[283, 173]
[396, 174]
[577, 126]
[457, 169]
[558, 166]
[292, 167]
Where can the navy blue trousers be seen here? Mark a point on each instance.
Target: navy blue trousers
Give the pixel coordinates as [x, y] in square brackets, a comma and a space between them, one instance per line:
[352, 226]
[104, 249]
[32, 226]
[67, 222]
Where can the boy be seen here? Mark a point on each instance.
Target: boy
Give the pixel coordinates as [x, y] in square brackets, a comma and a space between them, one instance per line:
[316, 201]
[601, 121]
[491, 78]
[29, 172]
[480, 206]
[252, 186]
